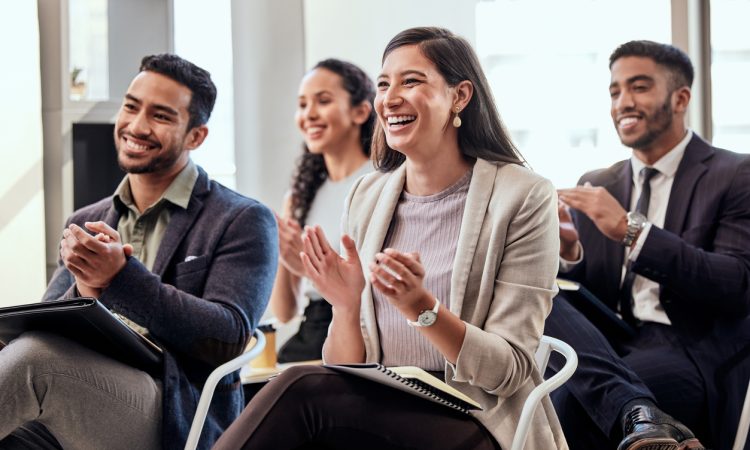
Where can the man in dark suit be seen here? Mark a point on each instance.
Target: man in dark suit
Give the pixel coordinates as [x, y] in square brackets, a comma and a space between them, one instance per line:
[663, 239]
[178, 256]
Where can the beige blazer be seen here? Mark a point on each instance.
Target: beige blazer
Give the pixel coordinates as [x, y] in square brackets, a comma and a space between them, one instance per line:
[502, 286]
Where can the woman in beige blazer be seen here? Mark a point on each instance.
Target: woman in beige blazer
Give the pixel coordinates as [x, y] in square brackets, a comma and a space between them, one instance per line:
[438, 137]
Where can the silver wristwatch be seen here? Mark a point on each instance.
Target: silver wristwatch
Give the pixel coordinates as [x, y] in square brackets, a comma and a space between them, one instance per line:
[427, 317]
[636, 222]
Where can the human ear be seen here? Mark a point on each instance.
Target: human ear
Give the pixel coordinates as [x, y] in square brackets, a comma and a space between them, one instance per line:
[681, 98]
[195, 137]
[361, 112]
[463, 93]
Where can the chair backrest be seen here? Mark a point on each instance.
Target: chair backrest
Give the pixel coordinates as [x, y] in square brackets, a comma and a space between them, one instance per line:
[546, 346]
[213, 379]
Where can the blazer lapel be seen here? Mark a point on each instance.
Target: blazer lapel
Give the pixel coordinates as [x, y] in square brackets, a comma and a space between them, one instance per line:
[621, 189]
[477, 201]
[376, 232]
[691, 168]
[180, 222]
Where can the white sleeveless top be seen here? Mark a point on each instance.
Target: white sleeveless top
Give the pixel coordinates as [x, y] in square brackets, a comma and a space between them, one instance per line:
[326, 211]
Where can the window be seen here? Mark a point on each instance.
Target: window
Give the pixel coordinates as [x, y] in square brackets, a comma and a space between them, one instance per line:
[548, 64]
[730, 72]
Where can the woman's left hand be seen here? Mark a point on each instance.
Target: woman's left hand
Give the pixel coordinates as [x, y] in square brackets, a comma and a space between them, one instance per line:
[399, 276]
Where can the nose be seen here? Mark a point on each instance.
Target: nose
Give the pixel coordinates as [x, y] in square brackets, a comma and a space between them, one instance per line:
[392, 97]
[139, 125]
[623, 101]
[311, 111]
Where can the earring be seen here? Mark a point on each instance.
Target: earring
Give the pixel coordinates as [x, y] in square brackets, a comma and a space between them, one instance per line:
[456, 119]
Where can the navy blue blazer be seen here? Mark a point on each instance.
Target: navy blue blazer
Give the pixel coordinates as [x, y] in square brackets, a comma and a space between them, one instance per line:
[701, 260]
[210, 285]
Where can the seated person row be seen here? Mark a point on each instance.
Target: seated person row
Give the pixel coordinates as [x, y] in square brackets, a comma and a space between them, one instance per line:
[180, 256]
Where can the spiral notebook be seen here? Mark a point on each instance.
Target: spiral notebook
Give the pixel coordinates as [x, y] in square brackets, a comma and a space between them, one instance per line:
[414, 381]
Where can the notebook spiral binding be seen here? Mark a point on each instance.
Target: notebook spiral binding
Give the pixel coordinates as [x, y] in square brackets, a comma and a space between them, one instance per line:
[426, 389]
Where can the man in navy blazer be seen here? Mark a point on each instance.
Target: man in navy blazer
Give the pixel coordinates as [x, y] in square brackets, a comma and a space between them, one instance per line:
[178, 256]
[663, 239]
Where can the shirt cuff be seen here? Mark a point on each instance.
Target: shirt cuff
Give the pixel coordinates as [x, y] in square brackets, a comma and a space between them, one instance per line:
[633, 256]
[567, 266]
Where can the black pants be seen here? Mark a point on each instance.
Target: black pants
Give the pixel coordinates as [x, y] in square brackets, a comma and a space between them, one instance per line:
[312, 407]
[307, 344]
[653, 365]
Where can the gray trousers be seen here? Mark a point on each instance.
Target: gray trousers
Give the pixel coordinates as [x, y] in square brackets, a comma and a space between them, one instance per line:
[84, 399]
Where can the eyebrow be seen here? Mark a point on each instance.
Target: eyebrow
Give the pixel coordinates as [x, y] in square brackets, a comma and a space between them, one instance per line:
[405, 73]
[316, 94]
[157, 106]
[633, 79]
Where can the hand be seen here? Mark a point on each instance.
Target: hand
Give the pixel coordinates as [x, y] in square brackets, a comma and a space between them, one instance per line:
[93, 260]
[339, 280]
[399, 276]
[569, 249]
[290, 245]
[599, 206]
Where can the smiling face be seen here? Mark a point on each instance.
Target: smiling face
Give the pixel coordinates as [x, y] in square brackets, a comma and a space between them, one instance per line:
[646, 111]
[151, 133]
[325, 115]
[414, 103]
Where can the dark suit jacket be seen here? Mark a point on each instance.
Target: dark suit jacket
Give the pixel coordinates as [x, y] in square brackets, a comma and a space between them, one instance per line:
[701, 260]
[210, 284]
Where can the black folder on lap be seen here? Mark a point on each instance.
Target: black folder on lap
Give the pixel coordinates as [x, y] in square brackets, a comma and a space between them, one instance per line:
[86, 321]
[594, 309]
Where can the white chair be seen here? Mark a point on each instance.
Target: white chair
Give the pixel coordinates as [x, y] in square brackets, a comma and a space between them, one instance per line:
[740, 439]
[213, 379]
[546, 346]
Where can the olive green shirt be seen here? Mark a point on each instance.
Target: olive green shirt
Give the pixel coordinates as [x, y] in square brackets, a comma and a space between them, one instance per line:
[145, 231]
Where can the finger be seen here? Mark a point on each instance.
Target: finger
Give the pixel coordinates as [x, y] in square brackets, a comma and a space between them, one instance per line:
[85, 240]
[127, 249]
[294, 225]
[382, 287]
[384, 275]
[396, 268]
[310, 270]
[350, 249]
[102, 227]
[309, 251]
[314, 240]
[410, 261]
[74, 246]
[324, 245]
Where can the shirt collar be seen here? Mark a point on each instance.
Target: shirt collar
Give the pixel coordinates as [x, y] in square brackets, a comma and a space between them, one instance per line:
[666, 165]
[178, 192]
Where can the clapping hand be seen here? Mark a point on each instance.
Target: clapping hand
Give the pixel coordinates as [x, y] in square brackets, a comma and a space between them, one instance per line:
[399, 276]
[599, 206]
[290, 245]
[339, 280]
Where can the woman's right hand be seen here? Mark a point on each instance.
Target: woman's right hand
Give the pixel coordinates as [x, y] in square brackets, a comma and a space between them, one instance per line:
[290, 245]
[339, 280]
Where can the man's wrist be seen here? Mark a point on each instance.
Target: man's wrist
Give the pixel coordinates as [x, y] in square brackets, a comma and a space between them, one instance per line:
[571, 253]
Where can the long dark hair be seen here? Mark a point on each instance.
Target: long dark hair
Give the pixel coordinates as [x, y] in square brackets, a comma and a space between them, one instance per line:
[482, 134]
[311, 169]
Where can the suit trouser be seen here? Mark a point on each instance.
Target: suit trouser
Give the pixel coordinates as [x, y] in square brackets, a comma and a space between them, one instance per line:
[85, 400]
[312, 407]
[654, 365]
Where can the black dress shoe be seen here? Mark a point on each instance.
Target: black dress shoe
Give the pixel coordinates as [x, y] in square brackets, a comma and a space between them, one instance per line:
[646, 427]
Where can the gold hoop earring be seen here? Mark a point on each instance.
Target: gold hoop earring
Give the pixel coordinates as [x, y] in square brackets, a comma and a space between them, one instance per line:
[456, 119]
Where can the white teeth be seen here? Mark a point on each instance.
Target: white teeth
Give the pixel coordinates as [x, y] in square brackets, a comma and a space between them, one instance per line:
[628, 121]
[133, 146]
[316, 129]
[399, 119]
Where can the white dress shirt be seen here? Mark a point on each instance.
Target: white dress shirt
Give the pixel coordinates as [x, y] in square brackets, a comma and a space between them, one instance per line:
[646, 305]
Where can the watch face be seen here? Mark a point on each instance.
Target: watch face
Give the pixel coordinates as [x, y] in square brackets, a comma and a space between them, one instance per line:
[637, 219]
[427, 318]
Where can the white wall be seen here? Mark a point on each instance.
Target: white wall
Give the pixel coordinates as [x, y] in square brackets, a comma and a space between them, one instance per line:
[358, 31]
[21, 172]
